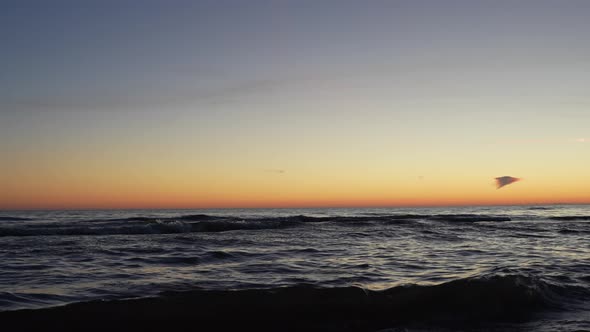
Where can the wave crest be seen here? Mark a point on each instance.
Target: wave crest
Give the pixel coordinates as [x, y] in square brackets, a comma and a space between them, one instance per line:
[491, 298]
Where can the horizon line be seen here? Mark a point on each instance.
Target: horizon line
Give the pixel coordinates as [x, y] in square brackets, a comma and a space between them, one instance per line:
[293, 207]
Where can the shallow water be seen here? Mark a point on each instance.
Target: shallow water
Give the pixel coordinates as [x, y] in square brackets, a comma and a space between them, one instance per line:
[523, 267]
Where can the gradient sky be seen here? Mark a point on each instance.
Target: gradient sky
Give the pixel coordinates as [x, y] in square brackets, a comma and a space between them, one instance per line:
[154, 104]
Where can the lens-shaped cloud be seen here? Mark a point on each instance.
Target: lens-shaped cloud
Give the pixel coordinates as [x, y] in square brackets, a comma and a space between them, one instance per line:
[505, 180]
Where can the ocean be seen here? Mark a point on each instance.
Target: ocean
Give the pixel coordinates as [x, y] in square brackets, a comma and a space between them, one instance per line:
[500, 268]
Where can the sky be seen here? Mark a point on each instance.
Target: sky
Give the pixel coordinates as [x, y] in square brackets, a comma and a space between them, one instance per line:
[206, 104]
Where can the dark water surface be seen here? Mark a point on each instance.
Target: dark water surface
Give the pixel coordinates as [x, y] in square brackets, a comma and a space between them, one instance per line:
[498, 268]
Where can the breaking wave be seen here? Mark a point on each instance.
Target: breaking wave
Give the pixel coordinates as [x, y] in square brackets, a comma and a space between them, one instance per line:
[494, 297]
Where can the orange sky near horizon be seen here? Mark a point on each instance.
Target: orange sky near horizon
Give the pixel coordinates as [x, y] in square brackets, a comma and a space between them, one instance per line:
[325, 168]
[92, 189]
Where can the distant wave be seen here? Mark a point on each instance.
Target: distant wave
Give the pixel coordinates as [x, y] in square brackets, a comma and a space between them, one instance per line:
[455, 304]
[198, 217]
[4, 218]
[570, 218]
[541, 208]
[208, 223]
[468, 218]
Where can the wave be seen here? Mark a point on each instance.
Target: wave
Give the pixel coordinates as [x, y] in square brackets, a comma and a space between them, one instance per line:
[7, 218]
[72, 229]
[570, 218]
[136, 226]
[463, 302]
[196, 223]
[468, 218]
[198, 217]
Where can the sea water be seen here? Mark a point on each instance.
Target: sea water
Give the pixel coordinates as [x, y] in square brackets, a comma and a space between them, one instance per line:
[501, 267]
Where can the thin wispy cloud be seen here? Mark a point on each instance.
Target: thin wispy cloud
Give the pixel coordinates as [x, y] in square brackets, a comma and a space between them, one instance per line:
[532, 141]
[158, 96]
[275, 170]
